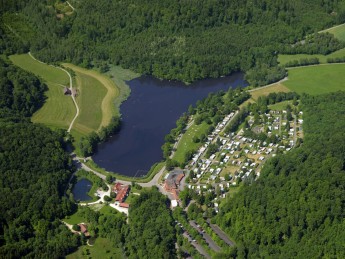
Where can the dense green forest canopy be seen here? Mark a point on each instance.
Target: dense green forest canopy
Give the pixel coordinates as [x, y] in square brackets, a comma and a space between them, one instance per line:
[34, 169]
[184, 40]
[296, 207]
[151, 227]
[20, 92]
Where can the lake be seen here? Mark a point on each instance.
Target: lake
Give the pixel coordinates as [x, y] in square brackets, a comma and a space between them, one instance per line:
[80, 190]
[148, 115]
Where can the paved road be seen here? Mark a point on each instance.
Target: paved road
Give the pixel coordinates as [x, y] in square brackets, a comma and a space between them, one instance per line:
[197, 246]
[153, 182]
[206, 236]
[220, 233]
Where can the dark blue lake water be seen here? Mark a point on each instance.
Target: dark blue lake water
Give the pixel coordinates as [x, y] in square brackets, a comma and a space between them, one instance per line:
[80, 190]
[148, 115]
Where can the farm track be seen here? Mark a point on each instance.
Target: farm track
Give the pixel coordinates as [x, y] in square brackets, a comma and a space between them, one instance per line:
[70, 87]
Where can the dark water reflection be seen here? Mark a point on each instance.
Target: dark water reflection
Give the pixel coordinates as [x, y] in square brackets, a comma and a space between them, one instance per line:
[80, 190]
[148, 115]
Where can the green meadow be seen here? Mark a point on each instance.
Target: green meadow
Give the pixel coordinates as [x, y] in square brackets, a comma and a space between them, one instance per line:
[58, 110]
[101, 248]
[283, 59]
[337, 31]
[186, 142]
[96, 95]
[317, 79]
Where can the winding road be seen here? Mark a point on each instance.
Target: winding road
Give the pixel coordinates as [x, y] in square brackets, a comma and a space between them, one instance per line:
[70, 87]
[154, 181]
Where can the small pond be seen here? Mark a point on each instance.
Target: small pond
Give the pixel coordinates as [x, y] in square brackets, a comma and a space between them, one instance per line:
[81, 189]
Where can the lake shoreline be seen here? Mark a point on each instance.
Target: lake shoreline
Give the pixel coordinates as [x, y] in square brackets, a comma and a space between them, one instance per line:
[149, 94]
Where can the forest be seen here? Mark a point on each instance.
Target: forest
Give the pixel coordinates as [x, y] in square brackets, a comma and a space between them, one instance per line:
[296, 207]
[20, 92]
[183, 40]
[151, 227]
[34, 169]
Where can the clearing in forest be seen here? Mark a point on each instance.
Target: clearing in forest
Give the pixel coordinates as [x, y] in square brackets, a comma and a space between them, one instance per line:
[264, 91]
[95, 97]
[338, 31]
[283, 59]
[316, 79]
[58, 110]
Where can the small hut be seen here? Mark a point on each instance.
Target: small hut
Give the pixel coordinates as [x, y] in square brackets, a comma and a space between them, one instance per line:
[83, 229]
[66, 91]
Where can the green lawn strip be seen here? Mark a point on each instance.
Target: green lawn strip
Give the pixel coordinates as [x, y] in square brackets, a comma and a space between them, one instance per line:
[186, 142]
[58, 110]
[148, 177]
[90, 97]
[75, 218]
[106, 210]
[280, 106]
[283, 59]
[46, 72]
[130, 198]
[102, 248]
[317, 79]
[338, 32]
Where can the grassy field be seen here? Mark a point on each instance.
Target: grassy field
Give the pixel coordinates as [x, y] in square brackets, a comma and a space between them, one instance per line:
[58, 110]
[186, 143]
[102, 248]
[275, 88]
[280, 106]
[99, 96]
[317, 79]
[338, 31]
[283, 59]
[75, 218]
[96, 94]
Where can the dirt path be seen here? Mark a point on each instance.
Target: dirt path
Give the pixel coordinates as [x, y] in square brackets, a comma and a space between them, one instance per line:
[70, 87]
[70, 6]
[263, 87]
[113, 92]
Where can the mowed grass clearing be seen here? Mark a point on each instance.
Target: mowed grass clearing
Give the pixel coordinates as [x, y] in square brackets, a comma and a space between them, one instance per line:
[316, 80]
[280, 106]
[58, 110]
[283, 59]
[95, 99]
[337, 31]
[186, 142]
[264, 91]
[102, 248]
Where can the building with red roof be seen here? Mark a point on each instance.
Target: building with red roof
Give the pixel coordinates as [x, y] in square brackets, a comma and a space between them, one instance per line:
[124, 205]
[83, 229]
[172, 182]
[121, 192]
